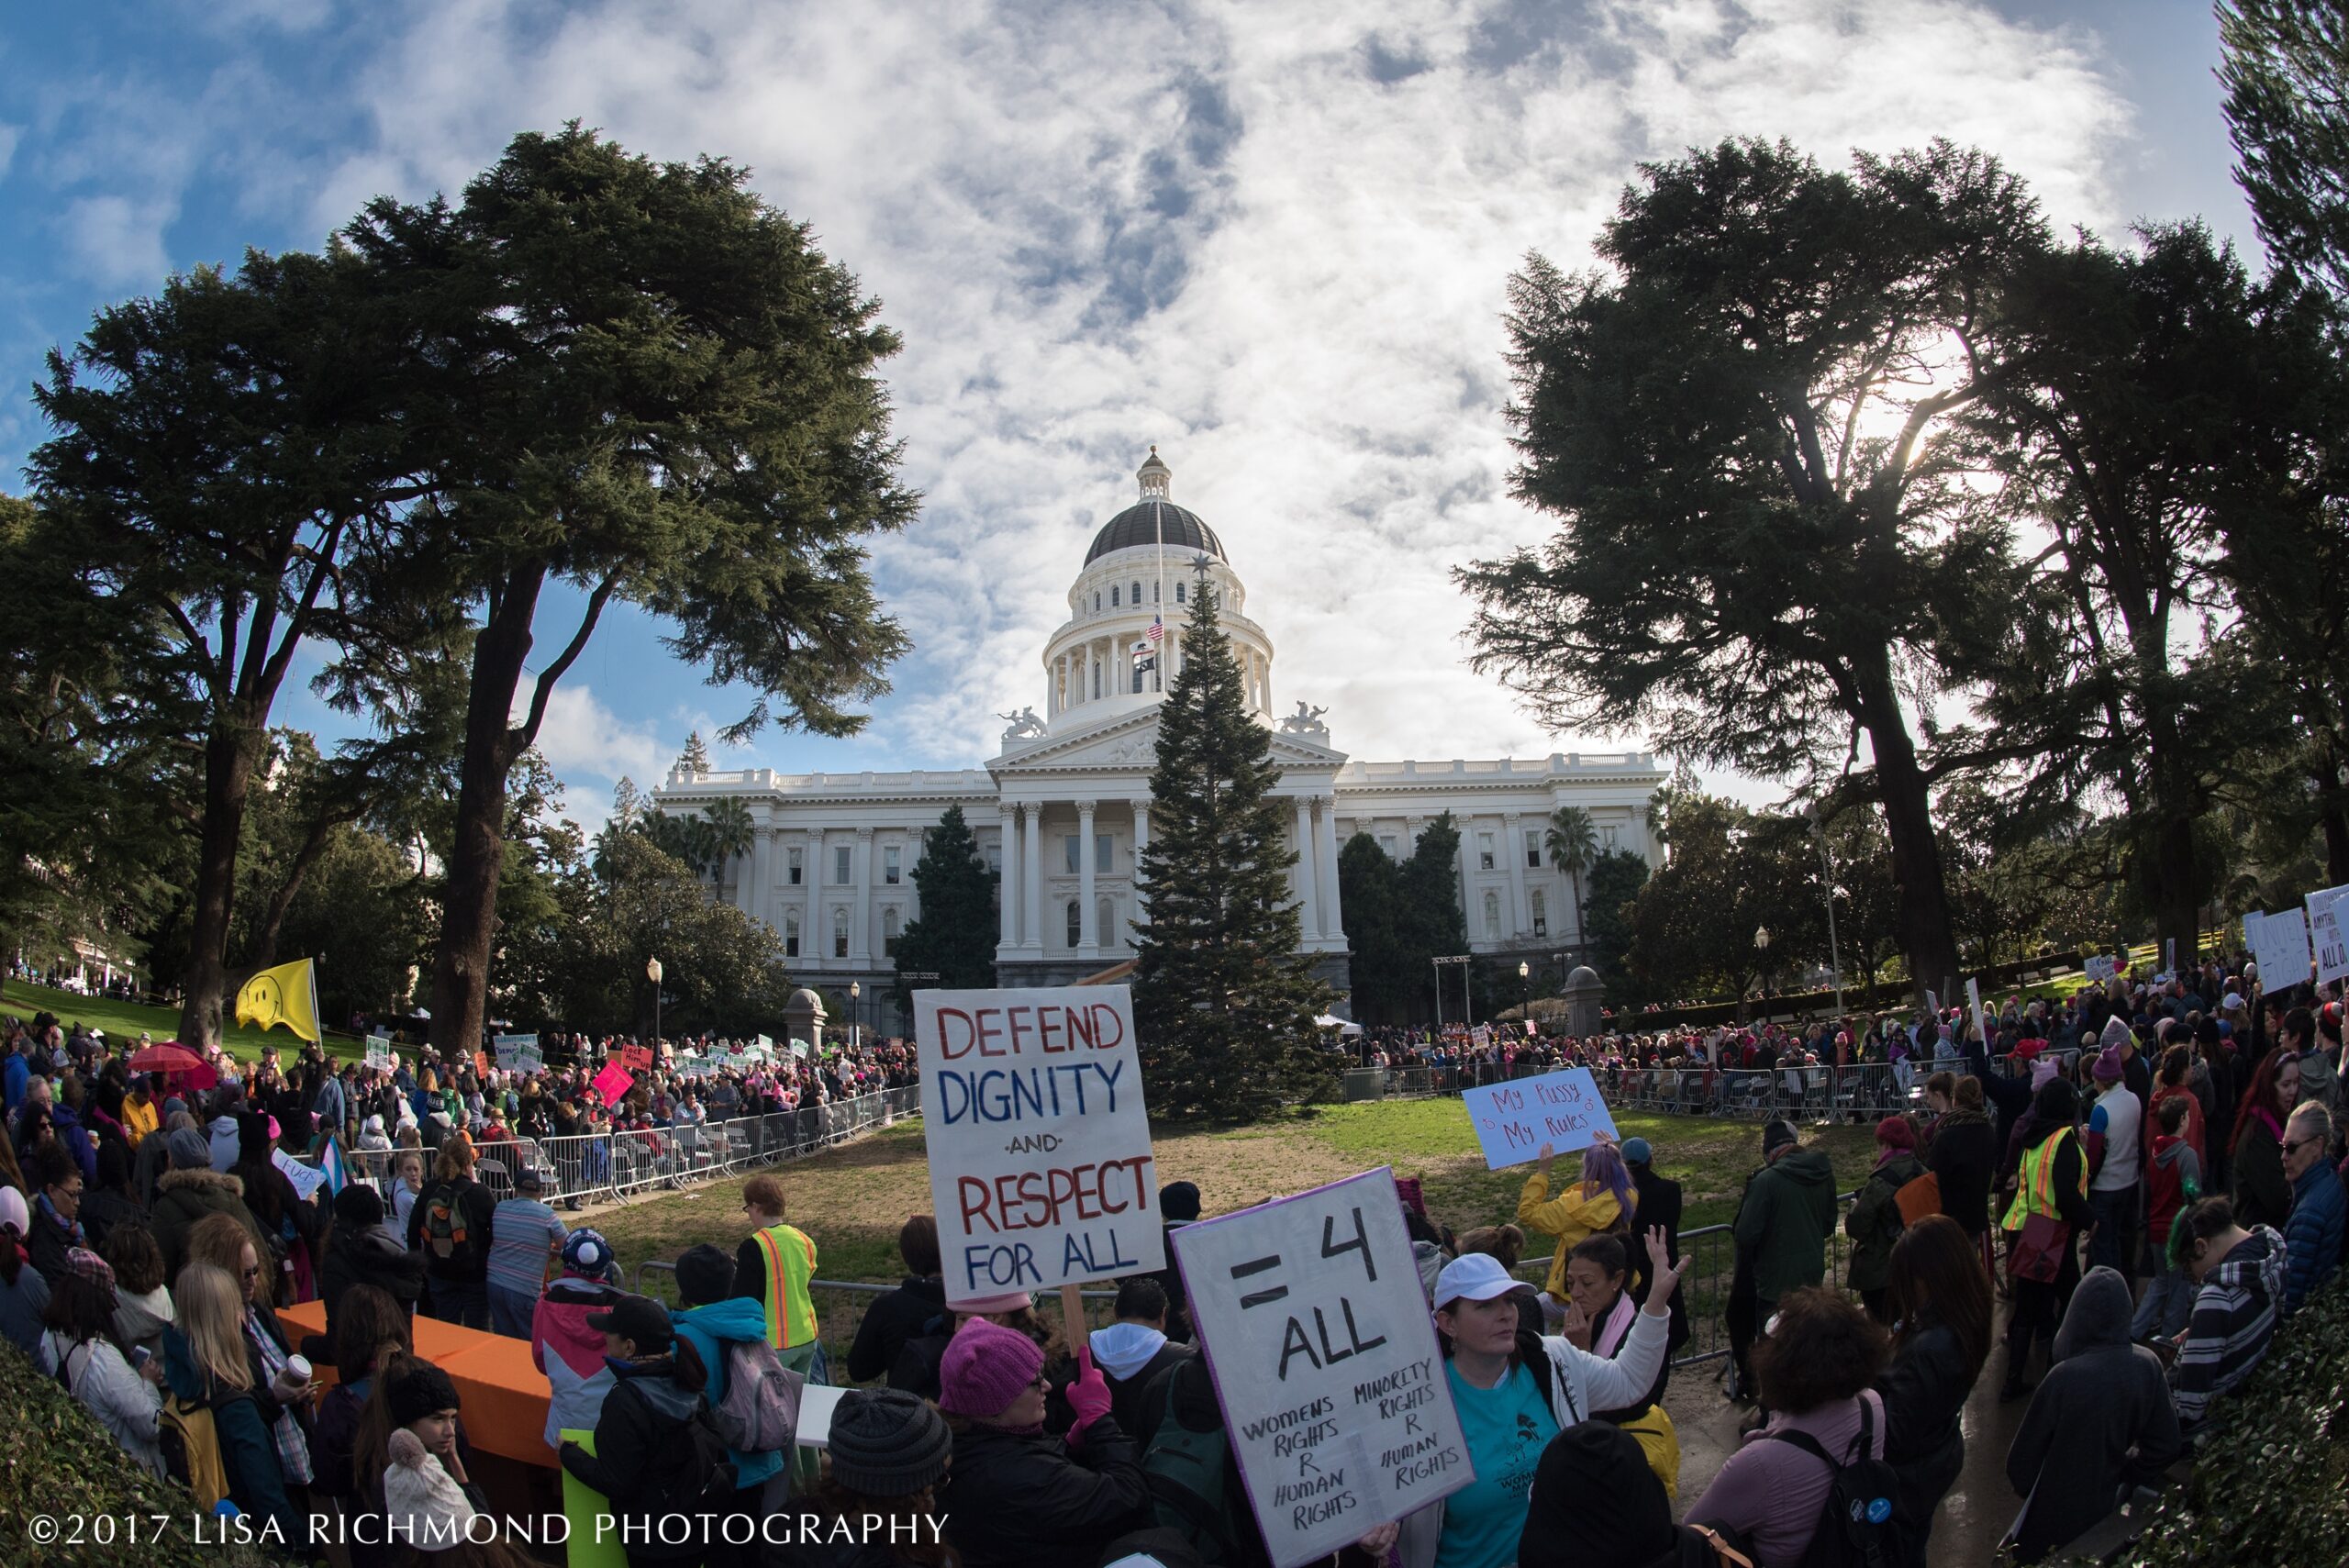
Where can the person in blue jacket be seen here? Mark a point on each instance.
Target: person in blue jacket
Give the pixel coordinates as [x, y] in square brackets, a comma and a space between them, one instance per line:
[2312, 1234]
[711, 1317]
[204, 1362]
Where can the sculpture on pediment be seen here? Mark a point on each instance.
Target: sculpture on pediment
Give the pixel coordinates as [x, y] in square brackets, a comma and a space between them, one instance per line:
[1305, 720]
[1025, 724]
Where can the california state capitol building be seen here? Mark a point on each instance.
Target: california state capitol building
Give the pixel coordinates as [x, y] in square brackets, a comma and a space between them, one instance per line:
[1063, 811]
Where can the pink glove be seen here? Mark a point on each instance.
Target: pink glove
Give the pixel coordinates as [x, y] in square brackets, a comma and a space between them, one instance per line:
[1089, 1395]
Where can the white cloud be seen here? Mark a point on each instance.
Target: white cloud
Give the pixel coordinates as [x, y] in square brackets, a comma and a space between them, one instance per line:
[116, 239]
[1273, 239]
[590, 748]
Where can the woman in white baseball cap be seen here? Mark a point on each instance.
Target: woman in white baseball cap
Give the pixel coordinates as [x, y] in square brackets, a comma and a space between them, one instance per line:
[1515, 1392]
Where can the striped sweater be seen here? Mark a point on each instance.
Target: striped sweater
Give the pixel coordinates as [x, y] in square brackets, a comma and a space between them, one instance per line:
[2234, 1318]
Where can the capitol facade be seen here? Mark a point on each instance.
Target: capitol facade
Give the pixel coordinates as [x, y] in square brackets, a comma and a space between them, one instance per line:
[1062, 812]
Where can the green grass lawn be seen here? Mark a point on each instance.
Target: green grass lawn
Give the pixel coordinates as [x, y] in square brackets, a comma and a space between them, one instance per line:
[123, 1021]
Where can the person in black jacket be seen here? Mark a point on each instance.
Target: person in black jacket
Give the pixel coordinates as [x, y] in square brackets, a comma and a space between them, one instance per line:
[1941, 1298]
[1017, 1497]
[457, 1277]
[1134, 1350]
[655, 1452]
[1659, 1206]
[911, 1310]
[358, 1250]
[1964, 1156]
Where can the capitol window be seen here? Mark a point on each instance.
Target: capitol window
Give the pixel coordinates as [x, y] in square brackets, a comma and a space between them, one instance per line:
[1137, 592]
[840, 865]
[793, 867]
[1178, 593]
[1607, 837]
[1068, 854]
[1532, 849]
[1484, 852]
[1113, 595]
[1386, 842]
[889, 932]
[1097, 603]
[889, 863]
[791, 931]
[1492, 914]
[1108, 915]
[839, 933]
[1541, 914]
[1076, 923]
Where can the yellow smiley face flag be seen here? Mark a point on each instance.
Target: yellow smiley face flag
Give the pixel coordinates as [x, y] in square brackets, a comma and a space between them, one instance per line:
[284, 994]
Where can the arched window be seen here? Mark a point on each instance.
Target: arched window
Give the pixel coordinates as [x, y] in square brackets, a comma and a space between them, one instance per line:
[1108, 916]
[1097, 603]
[1076, 923]
[889, 932]
[791, 933]
[1113, 595]
[1096, 680]
[1492, 915]
[1541, 914]
[1153, 593]
[1139, 677]
[1137, 599]
[1178, 593]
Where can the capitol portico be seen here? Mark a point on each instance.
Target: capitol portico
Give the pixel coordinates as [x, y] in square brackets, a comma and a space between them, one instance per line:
[1063, 812]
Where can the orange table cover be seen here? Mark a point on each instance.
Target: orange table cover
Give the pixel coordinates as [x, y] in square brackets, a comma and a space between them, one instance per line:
[503, 1397]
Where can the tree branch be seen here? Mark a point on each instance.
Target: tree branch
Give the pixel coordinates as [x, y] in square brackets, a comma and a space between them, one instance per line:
[544, 690]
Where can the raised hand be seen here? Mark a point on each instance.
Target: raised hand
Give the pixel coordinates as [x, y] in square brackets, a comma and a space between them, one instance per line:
[1663, 1273]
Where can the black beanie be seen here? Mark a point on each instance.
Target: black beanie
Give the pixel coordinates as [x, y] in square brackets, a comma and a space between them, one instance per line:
[1776, 1134]
[887, 1442]
[1596, 1504]
[705, 1274]
[1178, 1201]
[358, 1205]
[418, 1392]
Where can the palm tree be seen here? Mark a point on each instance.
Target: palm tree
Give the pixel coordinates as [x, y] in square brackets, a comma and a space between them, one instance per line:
[731, 832]
[1573, 844]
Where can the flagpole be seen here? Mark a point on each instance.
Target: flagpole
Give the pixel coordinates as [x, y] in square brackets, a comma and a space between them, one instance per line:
[1158, 605]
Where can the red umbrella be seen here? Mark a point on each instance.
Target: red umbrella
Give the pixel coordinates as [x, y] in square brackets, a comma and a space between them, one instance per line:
[175, 1064]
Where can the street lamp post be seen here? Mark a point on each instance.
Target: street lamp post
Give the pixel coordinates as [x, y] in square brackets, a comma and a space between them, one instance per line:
[653, 972]
[855, 1013]
[1761, 945]
[1827, 875]
[1525, 993]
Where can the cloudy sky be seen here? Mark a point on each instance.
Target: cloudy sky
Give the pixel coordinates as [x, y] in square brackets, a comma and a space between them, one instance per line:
[1271, 239]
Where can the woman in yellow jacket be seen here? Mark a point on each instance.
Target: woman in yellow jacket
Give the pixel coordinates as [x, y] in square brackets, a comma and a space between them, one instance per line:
[1602, 1201]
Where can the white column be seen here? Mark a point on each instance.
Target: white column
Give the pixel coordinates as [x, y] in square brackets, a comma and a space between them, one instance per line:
[1469, 912]
[1141, 842]
[1513, 840]
[860, 935]
[1325, 861]
[1032, 902]
[1007, 881]
[1309, 914]
[755, 903]
[814, 942]
[1089, 922]
[916, 845]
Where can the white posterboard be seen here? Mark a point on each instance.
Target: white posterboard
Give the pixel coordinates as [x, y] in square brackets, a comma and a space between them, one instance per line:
[380, 1054]
[1974, 1011]
[1513, 1120]
[1326, 1364]
[520, 1053]
[1039, 1161]
[2098, 968]
[306, 1179]
[2279, 943]
[2327, 933]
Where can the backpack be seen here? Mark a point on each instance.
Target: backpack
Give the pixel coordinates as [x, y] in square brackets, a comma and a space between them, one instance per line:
[444, 1225]
[1860, 1525]
[191, 1444]
[761, 1411]
[1185, 1467]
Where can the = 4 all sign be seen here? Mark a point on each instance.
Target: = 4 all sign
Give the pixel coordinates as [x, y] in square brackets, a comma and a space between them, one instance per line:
[1325, 1363]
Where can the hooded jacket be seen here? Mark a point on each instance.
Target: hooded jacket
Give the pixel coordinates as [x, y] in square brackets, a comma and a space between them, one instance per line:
[571, 1355]
[1925, 1394]
[2233, 1322]
[1786, 1218]
[223, 1131]
[183, 1197]
[1875, 1223]
[1570, 1217]
[1964, 1154]
[655, 1455]
[894, 1317]
[1130, 1355]
[1016, 1500]
[2312, 1235]
[2100, 1423]
[738, 1321]
[247, 1447]
[76, 1139]
[366, 1254]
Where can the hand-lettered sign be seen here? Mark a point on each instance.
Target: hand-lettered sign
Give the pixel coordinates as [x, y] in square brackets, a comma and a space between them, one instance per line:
[1514, 1120]
[614, 1081]
[2327, 933]
[1325, 1363]
[520, 1053]
[1039, 1157]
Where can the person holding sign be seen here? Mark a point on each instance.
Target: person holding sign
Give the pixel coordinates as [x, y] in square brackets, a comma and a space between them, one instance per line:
[1601, 1201]
[1515, 1392]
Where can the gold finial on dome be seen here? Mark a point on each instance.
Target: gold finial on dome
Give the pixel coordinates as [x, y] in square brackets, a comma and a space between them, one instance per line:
[1157, 479]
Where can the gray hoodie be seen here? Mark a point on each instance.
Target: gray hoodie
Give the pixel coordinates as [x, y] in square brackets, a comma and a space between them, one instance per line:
[223, 1143]
[2100, 1425]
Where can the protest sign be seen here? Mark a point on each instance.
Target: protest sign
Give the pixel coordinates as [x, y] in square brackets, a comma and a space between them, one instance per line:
[2098, 968]
[306, 1179]
[2279, 944]
[380, 1054]
[1039, 1161]
[1325, 1362]
[613, 1082]
[1514, 1120]
[519, 1053]
[637, 1057]
[1974, 1011]
[2328, 915]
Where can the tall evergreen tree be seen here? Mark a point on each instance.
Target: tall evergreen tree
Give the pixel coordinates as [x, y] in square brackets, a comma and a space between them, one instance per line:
[953, 937]
[1224, 1004]
[1433, 923]
[1370, 890]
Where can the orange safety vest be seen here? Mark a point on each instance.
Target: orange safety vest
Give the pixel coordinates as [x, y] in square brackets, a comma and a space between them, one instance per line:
[2035, 1191]
[790, 1257]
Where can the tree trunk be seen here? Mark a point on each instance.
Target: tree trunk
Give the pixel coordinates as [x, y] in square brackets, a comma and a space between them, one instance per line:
[2176, 911]
[228, 752]
[1920, 896]
[477, 851]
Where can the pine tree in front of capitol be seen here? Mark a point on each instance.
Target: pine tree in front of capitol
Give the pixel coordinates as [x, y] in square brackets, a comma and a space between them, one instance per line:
[1223, 1001]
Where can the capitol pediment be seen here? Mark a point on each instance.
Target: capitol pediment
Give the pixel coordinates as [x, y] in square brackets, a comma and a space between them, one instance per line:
[1129, 744]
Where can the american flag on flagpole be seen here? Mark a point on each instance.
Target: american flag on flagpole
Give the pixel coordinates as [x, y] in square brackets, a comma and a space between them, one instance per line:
[1157, 631]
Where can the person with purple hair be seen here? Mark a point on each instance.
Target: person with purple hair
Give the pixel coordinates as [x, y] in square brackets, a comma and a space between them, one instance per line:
[1601, 1202]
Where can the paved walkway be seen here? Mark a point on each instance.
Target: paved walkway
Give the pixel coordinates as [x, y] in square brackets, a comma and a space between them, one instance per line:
[1971, 1519]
